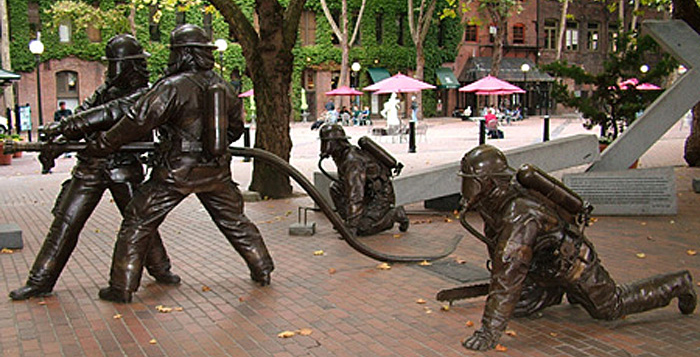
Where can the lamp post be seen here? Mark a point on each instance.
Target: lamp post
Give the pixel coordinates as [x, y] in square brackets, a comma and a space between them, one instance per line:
[644, 68]
[221, 46]
[37, 48]
[525, 68]
[355, 67]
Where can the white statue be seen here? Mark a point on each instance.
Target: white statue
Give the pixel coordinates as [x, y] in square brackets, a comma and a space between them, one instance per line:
[391, 111]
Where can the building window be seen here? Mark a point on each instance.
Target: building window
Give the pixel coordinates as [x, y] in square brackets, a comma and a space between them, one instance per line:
[67, 88]
[309, 80]
[612, 38]
[400, 20]
[93, 33]
[471, 33]
[64, 31]
[33, 17]
[593, 36]
[550, 34]
[571, 36]
[307, 26]
[379, 28]
[519, 33]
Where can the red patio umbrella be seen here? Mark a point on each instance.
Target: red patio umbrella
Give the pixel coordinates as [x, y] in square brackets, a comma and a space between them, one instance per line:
[399, 83]
[344, 90]
[492, 85]
[634, 82]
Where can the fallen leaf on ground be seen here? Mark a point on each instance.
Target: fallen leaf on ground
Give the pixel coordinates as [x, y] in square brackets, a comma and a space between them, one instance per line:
[6, 251]
[42, 302]
[650, 238]
[97, 231]
[240, 299]
[286, 334]
[448, 220]
[593, 219]
[644, 223]
[511, 333]
[461, 261]
[384, 266]
[553, 334]
[318, 252]
[153, 341]
[206, 288]
[164, 309]
[305, 331]
[428, 310]
[691, 252]
[421, 301]
[672, 222]
[425, 263]
[397, 236]
[641, 255]
[445, 308]
[456, 213]
[501, 348]
[179, 308]
[117, 316]
[470, 323]
[331, 271]
[288, 213]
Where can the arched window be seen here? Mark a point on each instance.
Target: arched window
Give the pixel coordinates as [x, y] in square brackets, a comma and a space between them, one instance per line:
[519, 33]
[67, 88]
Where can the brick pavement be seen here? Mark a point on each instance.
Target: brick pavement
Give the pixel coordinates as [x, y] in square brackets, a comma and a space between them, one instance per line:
[351, 307]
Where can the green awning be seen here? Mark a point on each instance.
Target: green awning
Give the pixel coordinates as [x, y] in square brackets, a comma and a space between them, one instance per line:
[446, 78]
[6, 77]
[378, 73]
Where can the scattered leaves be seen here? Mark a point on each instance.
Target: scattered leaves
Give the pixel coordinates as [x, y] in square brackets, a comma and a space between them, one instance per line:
[445, 308]
[425, 263]
[672, 222]
[511, 333]
[456, 213]
[42, 302]
[553, 334]
[179, 308]
[420, 301]
[205, 288]
[318, 252]
[501, 348]
[691, 252]
[644, 223]
[593, 220]
[305, 331]
[241, 299]
[470, 323]
[428, 310]
[650, 238]
[384, 266]
[6, 251]
[641, 255]
[117, 316]
[153, 341]
[448, 220]
[286, 334]
[97, 231]
[164, 309]
[288, 213]
[331, 271]
[461, 261]
[397, 236]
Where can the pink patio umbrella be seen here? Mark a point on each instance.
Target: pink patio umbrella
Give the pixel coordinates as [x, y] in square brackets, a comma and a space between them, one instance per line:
[248, 93]
[399, 83]
[634, 82]
[344, 90]
[491, 85]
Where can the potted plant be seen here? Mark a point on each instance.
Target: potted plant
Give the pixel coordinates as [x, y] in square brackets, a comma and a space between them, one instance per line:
[4, 159]
[614, 101]
[17, 138]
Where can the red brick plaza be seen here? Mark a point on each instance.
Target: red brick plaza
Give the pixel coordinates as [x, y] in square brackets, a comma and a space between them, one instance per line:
[337, 301]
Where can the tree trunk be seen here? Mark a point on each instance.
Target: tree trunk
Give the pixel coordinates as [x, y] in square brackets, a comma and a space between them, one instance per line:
[498, 46]
[269, 60]
[688, 11]
[562, 28]
[419, 30]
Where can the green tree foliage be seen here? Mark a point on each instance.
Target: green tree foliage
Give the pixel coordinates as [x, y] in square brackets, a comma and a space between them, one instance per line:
[608, 106]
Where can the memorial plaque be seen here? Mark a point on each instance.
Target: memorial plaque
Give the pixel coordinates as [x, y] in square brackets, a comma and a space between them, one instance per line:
[628, 192]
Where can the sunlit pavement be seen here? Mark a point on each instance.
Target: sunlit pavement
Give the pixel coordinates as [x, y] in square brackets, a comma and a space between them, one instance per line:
[348, 305]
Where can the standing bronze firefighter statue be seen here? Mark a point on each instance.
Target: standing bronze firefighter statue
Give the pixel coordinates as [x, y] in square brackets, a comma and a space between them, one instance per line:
[363, 194]
[533, 228]
[120, 173]
[196, 115]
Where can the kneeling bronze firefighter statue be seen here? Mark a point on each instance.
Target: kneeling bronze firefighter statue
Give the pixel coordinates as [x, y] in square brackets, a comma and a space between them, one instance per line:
[533, 229]
[363, 193]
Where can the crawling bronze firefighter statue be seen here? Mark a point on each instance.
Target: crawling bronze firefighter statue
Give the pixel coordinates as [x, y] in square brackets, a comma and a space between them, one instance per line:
[533, 228]
[363, 194]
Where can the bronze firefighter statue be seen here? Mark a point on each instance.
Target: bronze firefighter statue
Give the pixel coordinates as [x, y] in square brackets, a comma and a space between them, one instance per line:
[363, 194]
[533, 228]
[120, 172]
[196, 115]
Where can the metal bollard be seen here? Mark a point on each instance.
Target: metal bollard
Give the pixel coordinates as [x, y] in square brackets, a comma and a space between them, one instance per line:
[412, 137]
[246, 141]
[545, 135]
[482, 131]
